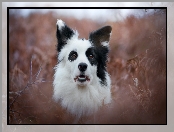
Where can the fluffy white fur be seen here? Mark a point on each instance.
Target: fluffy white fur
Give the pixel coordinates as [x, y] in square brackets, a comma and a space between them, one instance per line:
[79, 100]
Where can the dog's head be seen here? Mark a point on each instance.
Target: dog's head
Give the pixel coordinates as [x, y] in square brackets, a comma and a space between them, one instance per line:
[85, 60]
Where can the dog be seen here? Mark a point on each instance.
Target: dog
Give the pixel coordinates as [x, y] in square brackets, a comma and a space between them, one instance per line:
[81, 81]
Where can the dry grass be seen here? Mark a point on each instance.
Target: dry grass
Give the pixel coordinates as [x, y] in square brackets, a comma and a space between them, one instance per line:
[137, 65]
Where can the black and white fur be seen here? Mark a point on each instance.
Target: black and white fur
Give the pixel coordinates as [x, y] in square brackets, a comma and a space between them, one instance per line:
[81, 82]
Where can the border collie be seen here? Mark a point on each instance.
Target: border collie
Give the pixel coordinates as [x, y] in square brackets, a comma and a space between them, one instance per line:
[81, 82]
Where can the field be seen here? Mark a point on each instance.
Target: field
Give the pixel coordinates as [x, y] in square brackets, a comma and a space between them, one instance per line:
[137, 66]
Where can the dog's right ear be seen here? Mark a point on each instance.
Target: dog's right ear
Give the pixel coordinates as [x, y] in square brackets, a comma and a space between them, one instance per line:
[63, 34]
[101, 36]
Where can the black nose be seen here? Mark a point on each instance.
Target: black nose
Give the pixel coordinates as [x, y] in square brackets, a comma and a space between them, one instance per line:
[82, 67]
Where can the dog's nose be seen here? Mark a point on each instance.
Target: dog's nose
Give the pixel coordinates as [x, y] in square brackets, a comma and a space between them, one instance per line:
[82, 67]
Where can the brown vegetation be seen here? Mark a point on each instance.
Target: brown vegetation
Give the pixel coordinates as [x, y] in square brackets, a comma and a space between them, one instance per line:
[137, 65]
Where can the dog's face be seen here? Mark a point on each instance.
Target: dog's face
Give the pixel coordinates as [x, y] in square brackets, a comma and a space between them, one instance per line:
[81, 62]
[85, 60]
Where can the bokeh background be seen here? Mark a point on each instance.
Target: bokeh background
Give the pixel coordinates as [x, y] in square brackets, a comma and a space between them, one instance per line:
[137, 65]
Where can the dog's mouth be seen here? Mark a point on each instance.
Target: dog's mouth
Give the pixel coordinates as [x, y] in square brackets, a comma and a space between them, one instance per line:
[81, 78]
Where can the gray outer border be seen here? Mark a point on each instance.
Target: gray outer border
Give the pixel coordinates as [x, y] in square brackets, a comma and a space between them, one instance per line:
[109, 128]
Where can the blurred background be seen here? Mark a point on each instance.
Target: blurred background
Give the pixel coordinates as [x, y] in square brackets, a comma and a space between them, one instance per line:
[137, 64]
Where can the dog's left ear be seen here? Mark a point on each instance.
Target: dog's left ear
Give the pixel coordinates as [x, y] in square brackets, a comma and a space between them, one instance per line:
[101, 36]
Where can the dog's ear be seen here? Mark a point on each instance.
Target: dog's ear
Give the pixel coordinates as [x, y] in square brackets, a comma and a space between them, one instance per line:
[63, 34]
[101, 36]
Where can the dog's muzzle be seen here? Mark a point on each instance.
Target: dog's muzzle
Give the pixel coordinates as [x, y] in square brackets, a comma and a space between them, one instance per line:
[81, 78]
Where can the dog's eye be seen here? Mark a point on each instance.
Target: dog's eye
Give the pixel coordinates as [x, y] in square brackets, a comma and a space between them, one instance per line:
[73, 56]
[91, 56]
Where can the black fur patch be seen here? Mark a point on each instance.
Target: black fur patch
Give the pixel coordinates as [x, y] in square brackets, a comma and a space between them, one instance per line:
[63, 35]
[100, 51]
[99, 59]
[92, 56]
